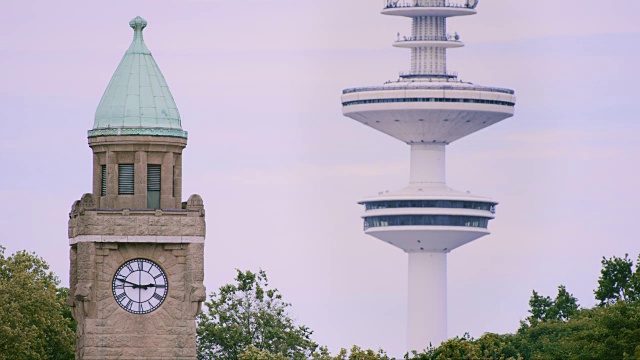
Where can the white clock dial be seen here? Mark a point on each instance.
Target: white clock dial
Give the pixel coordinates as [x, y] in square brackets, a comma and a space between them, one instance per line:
[140, 286]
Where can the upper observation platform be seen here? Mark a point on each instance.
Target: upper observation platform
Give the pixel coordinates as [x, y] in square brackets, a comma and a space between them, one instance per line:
[428, 196]
[416, 8]
[428, 111]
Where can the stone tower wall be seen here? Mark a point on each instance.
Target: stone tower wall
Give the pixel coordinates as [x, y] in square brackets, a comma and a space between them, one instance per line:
[101, 241]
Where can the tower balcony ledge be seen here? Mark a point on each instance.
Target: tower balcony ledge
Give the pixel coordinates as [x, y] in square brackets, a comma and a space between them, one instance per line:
[428, 195]
[419, 193]
[426, 85]
[423, 41]
[410, 8]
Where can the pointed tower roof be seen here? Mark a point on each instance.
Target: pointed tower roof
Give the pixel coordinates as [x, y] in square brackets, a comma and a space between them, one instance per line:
[137, 100]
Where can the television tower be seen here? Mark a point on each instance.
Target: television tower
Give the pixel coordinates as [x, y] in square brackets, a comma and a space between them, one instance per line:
[428, 108]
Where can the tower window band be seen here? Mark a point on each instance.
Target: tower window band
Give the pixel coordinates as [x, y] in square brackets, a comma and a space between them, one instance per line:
[125, 179]
[411, 100]
[443, 204]
[426, 220]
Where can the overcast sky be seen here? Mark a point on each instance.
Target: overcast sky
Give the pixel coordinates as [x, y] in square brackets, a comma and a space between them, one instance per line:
[258, 85]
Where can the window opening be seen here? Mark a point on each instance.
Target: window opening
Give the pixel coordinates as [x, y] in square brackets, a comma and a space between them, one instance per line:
[103, 180]
[125, 179]
[154, 173]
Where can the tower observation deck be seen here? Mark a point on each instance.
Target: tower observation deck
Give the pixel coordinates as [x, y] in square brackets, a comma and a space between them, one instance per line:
[428, 107]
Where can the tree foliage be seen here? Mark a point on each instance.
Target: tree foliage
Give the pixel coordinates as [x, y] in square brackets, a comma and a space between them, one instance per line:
[489, 346]
[250, 319]
[598, 333]
[253, 353]
[618, 281]
[543, 308]
[35, 322]
[356, 353]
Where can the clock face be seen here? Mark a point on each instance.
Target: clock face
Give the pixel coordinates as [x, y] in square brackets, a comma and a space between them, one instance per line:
[140, 286]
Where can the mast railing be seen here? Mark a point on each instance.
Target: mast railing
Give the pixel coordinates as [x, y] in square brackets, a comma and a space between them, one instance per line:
[435, 86]
[413, 73]
[455, 38]
[391, 4]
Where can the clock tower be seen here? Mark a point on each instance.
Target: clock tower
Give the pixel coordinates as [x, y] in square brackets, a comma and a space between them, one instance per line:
[136, 249]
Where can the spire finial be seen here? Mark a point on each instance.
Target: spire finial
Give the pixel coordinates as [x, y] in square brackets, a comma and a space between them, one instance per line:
[138, 24]
[138, 46]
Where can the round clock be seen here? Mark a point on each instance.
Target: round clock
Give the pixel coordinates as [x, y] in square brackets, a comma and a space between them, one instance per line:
[140, 286]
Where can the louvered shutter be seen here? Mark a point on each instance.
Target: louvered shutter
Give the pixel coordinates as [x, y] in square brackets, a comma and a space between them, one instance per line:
[125, 179]
[103, 181]
[154, 173]
[153, 177]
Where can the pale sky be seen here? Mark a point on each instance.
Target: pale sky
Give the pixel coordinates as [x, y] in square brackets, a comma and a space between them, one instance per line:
[258, 85]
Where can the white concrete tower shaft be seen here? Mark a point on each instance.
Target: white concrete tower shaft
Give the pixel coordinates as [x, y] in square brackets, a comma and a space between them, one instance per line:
[428, 164]
[427, 277]
[427, 285]
[427, 300]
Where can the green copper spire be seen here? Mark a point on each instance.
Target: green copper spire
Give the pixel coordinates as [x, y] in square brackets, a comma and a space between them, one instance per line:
[137, 100]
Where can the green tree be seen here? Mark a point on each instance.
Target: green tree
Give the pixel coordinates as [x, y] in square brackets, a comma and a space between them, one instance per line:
[557, 329]
[250, 318]
[564, 306]
[35, 322]
[599, 333]
[538, 307]
[452, 349]
[497, 347]
[253, 353]
[543, 308]
[356, 353]
[63, 294]
[618, 281]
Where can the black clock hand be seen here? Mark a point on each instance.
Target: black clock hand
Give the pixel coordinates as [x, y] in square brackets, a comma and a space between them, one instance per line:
[147, 286]
[128, 282]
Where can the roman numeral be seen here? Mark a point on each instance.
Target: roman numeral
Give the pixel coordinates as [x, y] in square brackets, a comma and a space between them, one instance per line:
[118, 286]
[121, 296]
[129, 305]
[161, 286]
[157, 296]
[129, 267]
[140, 308]
[140, 265]
[157, 276]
